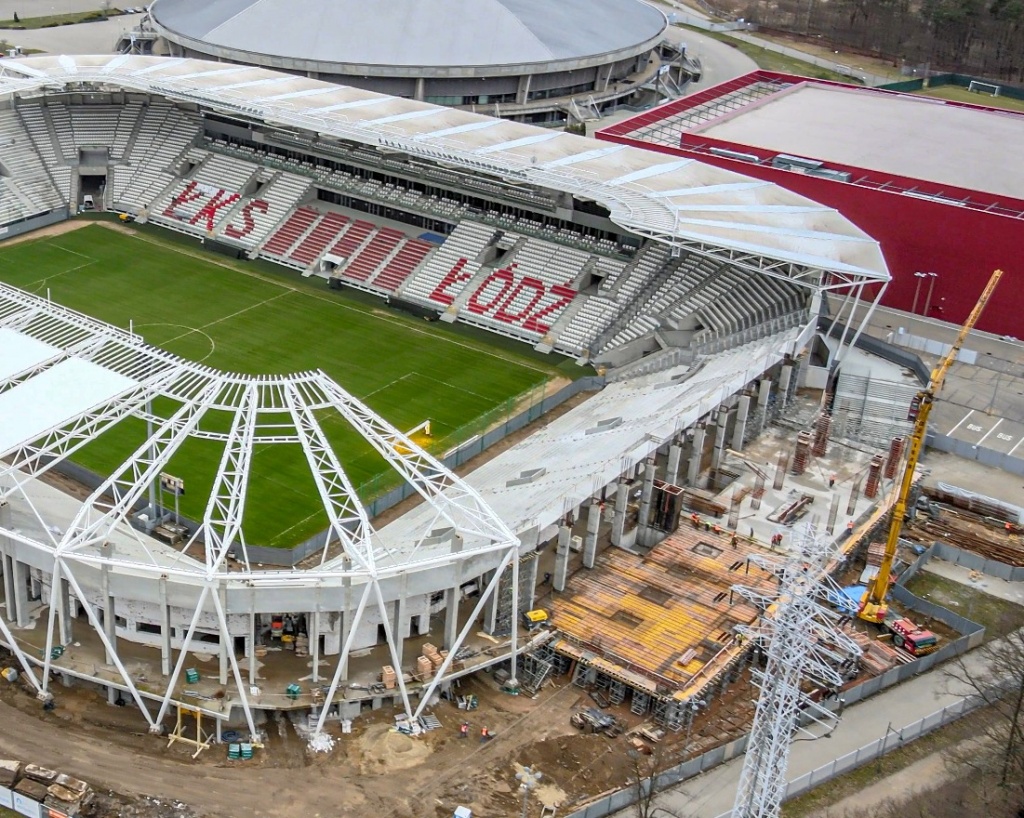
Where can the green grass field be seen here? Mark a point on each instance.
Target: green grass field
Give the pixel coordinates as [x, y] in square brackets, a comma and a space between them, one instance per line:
[959, 94]
[233, 317]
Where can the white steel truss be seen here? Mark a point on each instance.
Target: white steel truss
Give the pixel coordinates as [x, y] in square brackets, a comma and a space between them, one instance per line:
[802, 643]
[265, 410]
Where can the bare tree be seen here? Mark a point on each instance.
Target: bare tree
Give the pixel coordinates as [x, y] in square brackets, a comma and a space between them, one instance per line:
[648, 791]
[995, 673]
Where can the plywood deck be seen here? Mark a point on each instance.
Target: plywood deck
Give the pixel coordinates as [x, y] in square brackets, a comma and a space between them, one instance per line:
[662, 617]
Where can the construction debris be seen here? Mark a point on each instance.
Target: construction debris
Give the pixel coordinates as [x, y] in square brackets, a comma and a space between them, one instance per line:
[430, 722]
[321, 743]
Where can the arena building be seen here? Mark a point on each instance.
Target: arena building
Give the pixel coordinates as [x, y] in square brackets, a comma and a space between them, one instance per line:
[518, 59]
[696, 291]
[907, 169]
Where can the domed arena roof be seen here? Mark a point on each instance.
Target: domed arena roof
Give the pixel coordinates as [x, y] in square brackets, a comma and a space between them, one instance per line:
[415, 33]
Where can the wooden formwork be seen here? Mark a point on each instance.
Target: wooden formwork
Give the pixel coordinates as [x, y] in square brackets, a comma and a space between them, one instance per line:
[658, 622]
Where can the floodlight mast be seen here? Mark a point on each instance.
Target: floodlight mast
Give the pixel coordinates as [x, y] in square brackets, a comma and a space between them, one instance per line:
[802, 643]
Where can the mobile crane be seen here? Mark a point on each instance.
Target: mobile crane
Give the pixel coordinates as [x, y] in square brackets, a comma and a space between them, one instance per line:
[873, 606]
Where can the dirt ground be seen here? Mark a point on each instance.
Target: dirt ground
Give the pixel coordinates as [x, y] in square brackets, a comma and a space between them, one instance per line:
[380, 772]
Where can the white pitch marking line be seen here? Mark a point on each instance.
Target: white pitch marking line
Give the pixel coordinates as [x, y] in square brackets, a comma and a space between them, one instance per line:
[228, 317]
[387, 385]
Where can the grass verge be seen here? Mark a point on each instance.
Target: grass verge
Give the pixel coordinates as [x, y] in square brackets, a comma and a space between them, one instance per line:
[774, 61]
[819, 799]
[999, 616]
[957, 94]
[53, 20]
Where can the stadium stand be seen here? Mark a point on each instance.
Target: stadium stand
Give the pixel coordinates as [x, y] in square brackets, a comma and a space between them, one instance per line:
[454, 263]
[164, 134]
[328, 228]
[288, 234]
[511, 269]
[410, 254]
[27, 187]
[260, 214]
[371, 255]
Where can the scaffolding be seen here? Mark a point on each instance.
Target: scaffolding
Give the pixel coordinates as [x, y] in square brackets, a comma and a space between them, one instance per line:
[503, 604]
[803, 644]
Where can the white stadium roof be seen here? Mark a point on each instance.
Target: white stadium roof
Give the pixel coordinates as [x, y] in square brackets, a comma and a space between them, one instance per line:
[416, 33]
[675, 200]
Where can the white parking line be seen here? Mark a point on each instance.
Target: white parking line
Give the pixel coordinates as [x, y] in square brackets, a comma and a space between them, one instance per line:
[964, 418]
[990, 431]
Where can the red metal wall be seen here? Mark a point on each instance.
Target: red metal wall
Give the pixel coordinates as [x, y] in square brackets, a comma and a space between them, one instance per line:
[961, 244]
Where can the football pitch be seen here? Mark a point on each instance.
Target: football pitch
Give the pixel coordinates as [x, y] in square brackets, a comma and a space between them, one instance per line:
[231, 316]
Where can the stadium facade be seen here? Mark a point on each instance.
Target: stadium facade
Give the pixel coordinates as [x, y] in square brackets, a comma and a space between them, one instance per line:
[909, 170]
[519, 59]
[693, 288]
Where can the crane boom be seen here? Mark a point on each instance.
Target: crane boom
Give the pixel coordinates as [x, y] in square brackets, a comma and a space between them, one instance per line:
[873, 607]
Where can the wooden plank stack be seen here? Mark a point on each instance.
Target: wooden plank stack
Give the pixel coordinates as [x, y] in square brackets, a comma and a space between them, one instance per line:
[876, 551]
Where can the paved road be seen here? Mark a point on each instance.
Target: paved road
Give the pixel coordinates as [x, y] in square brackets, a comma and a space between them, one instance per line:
[720, 61]
[83, 38]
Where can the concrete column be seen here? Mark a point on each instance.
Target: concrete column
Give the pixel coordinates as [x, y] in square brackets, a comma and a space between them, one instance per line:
[647, 493]
[64, 618]
[607, 78]
[531, 583]
[451, 617]
[7, 566]
[420, 89]
[165, 629]
[35, 583]
[452, 597]
[422, 624]
[764, 393]
[491, 608]
[675, 454]
[562, 558]
[619, 521]
[225, 639]
[19, 571]
[742, 410]
[109, 623]
[721, 423]
[693, 469]
[253, 636]
[784, 379]
[398, 630]
[344, 627]
[9, 593]
[313, 627]
[593, 527]
[523, 91]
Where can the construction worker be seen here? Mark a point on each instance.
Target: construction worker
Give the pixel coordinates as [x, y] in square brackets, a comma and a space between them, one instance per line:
[464, 730]
[695, 519]
[717, 528]
[831, 481]
[485, 735]
[734, 540]
[849, 528]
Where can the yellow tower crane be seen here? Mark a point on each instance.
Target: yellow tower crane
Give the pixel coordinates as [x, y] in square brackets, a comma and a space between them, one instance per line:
[873, 606]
